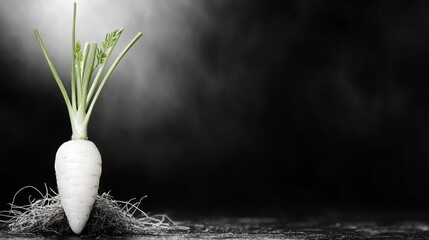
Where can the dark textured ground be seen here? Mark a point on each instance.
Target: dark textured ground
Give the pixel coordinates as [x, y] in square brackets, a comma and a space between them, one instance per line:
[326, 225]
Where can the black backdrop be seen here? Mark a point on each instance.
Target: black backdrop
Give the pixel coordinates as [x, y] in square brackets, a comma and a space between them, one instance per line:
[322, 103]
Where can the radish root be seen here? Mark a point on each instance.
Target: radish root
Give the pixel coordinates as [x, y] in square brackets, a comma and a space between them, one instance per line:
[111, 217]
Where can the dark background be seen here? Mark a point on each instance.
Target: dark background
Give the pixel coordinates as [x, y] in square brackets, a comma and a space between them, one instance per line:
[315, 104]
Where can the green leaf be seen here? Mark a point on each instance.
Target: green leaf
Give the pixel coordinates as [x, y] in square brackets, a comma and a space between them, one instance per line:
[111, 38]
[109, 42]
[78, 53]
[101, 56]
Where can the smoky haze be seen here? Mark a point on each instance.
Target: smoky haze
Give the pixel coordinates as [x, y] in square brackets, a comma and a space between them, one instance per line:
[182, 98]
[154, 83]
[172, 31]
[231, 103]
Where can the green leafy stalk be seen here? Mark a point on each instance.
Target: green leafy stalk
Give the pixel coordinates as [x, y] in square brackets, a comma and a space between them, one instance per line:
[84, 63]
[90, 70]
[72, 80]
[106, 77]
[103, 54]
[53, 70]
[80, 67]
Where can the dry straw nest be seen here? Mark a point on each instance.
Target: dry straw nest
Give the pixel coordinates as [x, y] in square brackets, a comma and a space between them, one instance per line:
[110, 217]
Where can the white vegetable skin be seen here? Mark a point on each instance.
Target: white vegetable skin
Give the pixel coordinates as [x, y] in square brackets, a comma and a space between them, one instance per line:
[78, 171]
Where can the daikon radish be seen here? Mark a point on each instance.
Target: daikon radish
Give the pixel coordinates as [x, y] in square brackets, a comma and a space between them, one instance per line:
[78, 161]
[78, 170]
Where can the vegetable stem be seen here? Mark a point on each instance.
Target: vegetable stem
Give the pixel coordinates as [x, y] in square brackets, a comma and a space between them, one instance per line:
[88, 76]
[84, 63]
[53, 70]
[103, 65]
[106, 77]
[73, 87]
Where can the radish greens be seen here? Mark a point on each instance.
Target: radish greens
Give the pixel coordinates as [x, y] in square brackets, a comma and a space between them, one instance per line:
[86, 89]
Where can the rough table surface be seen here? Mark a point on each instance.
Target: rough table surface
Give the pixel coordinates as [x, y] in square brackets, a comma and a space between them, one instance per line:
[326, 225]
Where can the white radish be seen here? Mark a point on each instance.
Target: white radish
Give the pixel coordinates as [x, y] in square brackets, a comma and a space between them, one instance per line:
[78, 161]
[78, 170]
